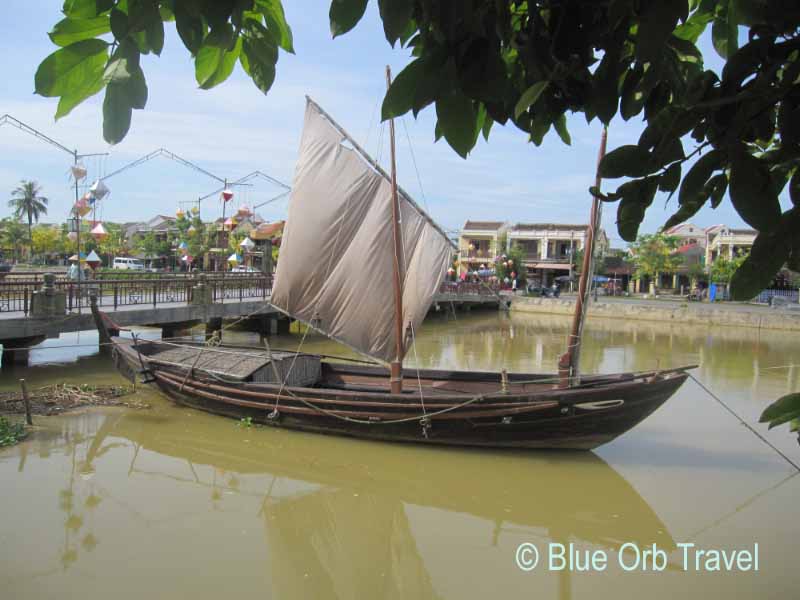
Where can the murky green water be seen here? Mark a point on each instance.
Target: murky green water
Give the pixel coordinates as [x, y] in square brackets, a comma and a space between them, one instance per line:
[173, 503]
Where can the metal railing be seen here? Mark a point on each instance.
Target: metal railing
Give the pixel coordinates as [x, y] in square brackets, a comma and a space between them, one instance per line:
[468, 288]
[15, 295]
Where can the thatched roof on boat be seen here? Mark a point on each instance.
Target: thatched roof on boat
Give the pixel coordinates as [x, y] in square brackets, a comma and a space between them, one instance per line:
[237, 365]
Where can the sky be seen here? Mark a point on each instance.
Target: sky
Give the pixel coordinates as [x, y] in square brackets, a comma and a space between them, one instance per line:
[234, 129]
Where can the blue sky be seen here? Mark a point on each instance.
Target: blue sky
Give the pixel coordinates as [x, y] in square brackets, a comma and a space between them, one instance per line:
[234, 129]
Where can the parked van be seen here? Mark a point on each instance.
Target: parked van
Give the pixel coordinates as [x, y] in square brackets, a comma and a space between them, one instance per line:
[132, 264]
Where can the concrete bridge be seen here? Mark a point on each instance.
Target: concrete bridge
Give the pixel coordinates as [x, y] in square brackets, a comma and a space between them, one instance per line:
[34, 310]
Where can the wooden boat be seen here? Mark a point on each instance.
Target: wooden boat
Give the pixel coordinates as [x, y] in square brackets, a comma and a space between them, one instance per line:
[344, 207]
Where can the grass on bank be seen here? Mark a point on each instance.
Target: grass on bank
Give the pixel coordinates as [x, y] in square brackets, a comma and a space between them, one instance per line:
[11, 433]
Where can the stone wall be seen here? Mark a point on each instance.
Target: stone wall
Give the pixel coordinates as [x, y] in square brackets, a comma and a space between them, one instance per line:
[724, 315]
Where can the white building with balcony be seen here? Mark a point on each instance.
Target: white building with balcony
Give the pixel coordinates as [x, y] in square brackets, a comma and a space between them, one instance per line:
[549, 248]
[727, 242]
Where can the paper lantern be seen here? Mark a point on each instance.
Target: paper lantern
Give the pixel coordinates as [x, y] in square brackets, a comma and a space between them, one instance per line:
[99, 189]
[182, 246]
[81, 207]
[93, 260]
[179, 213]
[192, 229]
[234, 258]
[247, 244]
[244, 211]
[99, 232]
[513, 275]
[195, 211]
[230, 223]
[72, 236]
[227, 195]
[78, 172]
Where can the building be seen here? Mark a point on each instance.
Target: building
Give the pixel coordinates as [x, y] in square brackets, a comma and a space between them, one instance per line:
[688, 233]
[549, 249]
[722, 240]
[478, 244]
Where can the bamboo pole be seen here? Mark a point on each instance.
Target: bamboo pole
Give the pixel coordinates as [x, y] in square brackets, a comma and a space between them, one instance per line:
[396, 376]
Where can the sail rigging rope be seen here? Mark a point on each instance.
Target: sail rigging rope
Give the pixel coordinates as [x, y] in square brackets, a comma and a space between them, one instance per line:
[743, 422]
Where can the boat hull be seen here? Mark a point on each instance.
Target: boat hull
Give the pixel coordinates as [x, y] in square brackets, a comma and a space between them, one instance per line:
[531, 413]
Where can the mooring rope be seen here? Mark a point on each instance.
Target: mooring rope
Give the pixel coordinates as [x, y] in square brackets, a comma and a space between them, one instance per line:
[743, 422]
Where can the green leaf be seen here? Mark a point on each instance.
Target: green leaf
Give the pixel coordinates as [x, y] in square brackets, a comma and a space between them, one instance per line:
[260, 46]
[457, 118]
[695, 180]
[694, 26]
[671, 178]
[119, 24]
[529, 97]
[77, 95]
[211, 54]
[276, 23]
[395, 15]
[656, 23]
[625, 161]
[637, 196]
[68, 31]
[190, 27]
[86, 9]
[258, 57]
[487, 127]
[225, 67]
[770, 250]
[752, 193]
[70, 68]
[117, 110]
[717, 187]
[345, 14]
[686, 50]
[561, 128]
[633, 97]
[400, 96]
[725, 33]
[154, 34]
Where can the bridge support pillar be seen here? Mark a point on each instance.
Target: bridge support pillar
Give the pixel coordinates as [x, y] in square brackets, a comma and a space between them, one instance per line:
[16, 352]
[282, 326]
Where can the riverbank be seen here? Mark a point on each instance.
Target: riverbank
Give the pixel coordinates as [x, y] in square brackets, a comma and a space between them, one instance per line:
[669, 311]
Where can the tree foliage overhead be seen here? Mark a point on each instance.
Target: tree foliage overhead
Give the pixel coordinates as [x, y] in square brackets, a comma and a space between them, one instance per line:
[527, 63]
[101, 43]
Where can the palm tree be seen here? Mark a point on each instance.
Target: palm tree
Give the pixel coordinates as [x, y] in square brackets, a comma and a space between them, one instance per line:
[26, 201]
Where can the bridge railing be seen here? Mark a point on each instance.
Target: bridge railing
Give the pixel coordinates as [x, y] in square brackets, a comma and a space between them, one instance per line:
[468, 288]
[15, 295]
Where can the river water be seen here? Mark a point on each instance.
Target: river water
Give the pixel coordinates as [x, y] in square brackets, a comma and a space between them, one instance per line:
[168, 502]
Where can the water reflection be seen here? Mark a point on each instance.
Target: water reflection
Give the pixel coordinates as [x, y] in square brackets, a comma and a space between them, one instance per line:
[339, 519]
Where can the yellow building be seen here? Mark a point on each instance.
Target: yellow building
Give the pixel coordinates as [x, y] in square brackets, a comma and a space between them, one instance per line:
[478, 244]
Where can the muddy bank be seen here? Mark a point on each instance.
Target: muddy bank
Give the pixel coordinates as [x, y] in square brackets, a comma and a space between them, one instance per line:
[55, 399]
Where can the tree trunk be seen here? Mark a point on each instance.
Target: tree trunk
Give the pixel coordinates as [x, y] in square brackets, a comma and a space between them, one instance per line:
[30, 236]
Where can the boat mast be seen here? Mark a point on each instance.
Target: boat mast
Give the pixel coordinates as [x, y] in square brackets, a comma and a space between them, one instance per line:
[396, 367]
[568, 364]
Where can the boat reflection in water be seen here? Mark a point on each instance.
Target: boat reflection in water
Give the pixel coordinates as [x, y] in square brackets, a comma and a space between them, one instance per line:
[342, 518]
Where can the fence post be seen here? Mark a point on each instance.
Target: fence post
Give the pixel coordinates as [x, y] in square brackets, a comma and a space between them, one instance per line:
[155, 286]
[116, 295]
[69, 297]
[241, 290]
[25, 300]
[27, 401]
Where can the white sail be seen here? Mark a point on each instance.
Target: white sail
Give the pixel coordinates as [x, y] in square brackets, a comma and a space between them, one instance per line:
[337, 255]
